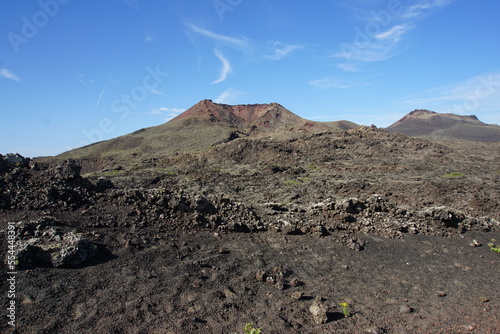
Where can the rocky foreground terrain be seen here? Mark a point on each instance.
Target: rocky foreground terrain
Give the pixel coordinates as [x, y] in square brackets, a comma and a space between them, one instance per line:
[274, 230]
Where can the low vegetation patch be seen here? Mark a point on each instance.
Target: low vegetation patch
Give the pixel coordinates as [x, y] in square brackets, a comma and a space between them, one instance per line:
[493, 247]
[249, 329]
[346, 310]
[453, 175]
[291, 182]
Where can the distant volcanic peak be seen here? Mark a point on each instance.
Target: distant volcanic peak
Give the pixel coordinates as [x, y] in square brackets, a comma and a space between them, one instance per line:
[205, 109]
[418, 113]
[250, 117]
[253, 112]
[424, 115]
[422, 112]
[437, 126]
[217, 112]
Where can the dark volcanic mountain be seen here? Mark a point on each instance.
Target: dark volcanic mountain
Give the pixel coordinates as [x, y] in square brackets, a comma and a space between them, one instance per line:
[260, 117]
[204, 125]
[425, 123]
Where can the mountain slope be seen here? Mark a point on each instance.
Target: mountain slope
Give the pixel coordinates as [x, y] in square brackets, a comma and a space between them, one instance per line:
[202, 126]
[436, 126]
[261, 117]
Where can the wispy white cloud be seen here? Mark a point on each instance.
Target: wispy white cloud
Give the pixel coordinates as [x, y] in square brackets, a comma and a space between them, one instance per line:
[348, 67]
[379, 39]
[226, 67]
[166, 113]
[331, 82]
[282, 50]
[370, 53]
[155, 91]
[147, 37]
[86, 82]
[478, 94]
[228, 96]
[422, 7]
[5, 73]
[328, 82]
[233, 41]
[393, 34]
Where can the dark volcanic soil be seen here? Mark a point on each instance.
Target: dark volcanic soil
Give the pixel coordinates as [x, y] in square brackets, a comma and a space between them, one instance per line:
[259, 230]
[203, 283]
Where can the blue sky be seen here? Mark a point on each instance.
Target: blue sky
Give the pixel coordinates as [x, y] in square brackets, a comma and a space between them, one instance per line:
[73, 72]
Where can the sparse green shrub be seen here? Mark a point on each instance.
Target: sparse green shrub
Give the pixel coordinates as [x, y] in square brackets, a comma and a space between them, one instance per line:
[249, 329]
[292, 182]
[311, 167]
[493, 247]
[115, 172]
[346, 310]
[453, 175]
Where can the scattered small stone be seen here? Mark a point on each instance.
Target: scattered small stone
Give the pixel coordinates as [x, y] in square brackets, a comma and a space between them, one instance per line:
[318, 311]
[441, 293]
[230, 294]
[484, 299]
[320, 231]
[297, 295]
[294, 282]
[223, 251]
[405, 309]
[198, 320]
[270, 280]
[280, 285]
[261, 276]
[375, 330]
[475, 243]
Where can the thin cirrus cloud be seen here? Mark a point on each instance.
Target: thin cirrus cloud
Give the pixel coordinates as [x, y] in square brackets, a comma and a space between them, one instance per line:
[5, 73]
[226, 67]
[370, 45]
[228, 96]
[166, 113]
[329, 82]
[282, 50]
[147, 37]
[477, 94]
[394, 34]
[422, 7]
[232, 41]
[155, 91]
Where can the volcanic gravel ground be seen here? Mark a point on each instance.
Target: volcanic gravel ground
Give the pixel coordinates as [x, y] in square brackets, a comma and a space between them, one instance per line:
[205, 282]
